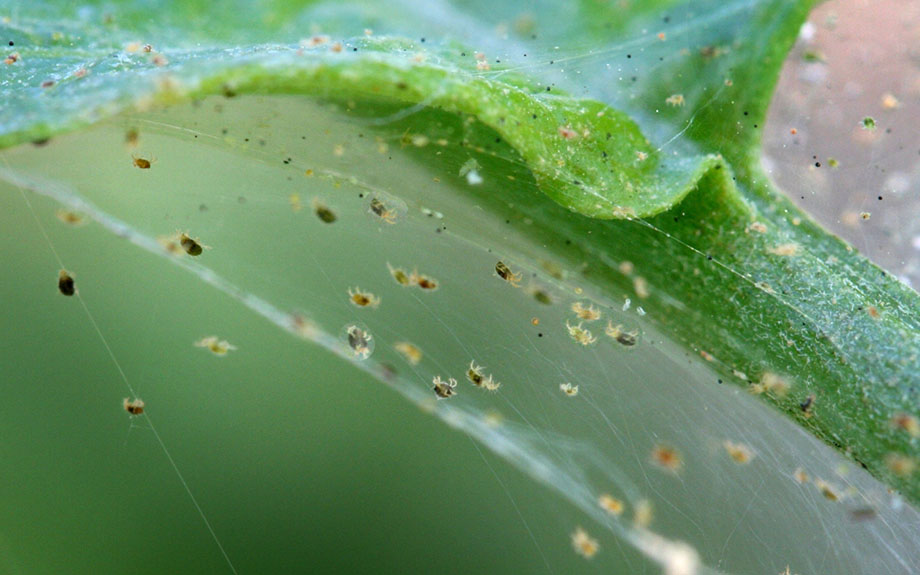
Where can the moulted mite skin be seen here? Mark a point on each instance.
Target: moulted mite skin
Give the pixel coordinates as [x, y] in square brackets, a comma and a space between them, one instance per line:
[410, 352]
[362, 298]
[568, 389]
[624, 338]
[740, 453]
[506, 274]
[66, 284]
[584, 544]
[142, 163]
[360, 341]
[190, 245]
[580, 334]
[399, 275]
[134, 407]
[444, 389]
[131, 137]
[589, 313]
[380, 209]
[217, 346]
[323, 212]
[667, 458]
[611, 504]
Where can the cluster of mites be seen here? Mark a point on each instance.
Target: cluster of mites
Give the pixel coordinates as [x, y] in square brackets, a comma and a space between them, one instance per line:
[445, 389]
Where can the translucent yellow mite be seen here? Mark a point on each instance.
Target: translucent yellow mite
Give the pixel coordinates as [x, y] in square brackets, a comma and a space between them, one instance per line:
[667, 458]
[739, 452]
[569, 389]
[217, 346]
[611, 504]
[362, 298]
[589, 313]
[584, 544]
[580, 334]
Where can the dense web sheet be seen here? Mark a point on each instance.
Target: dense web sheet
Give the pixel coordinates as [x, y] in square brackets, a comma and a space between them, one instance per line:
[636, 455]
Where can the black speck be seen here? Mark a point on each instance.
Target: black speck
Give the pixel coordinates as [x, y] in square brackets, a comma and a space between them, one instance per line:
[709, 258]
[720, 382]
[817, 164]
[423, 40]
[11, 43]
[534, 116]
[745, 113]
[539, 335]
[629, 56]
[880, 198]
[547, 88]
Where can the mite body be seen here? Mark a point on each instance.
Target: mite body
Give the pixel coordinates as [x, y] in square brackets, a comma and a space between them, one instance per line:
[506, 274]
[134, 407]
[444, 389]
[66, 284]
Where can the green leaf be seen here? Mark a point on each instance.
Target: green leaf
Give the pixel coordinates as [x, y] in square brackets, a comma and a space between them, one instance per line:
[640, 123]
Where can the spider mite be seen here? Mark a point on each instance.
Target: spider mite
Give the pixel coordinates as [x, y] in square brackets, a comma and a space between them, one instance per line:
[363, 298]
[667, 458]
[399, 275]
[323, 212]
[611, 504]
[624, 338]
[477, 378]
[568, 389]
[739, 452]
[422, 281]
[360, 341]
[506, 274]
[442, 389]
[134, 407]
[217, 346]
[142, 163]
[589, 313]
[189, 245]
[580, 334]
[584, 544]
[65, 283]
